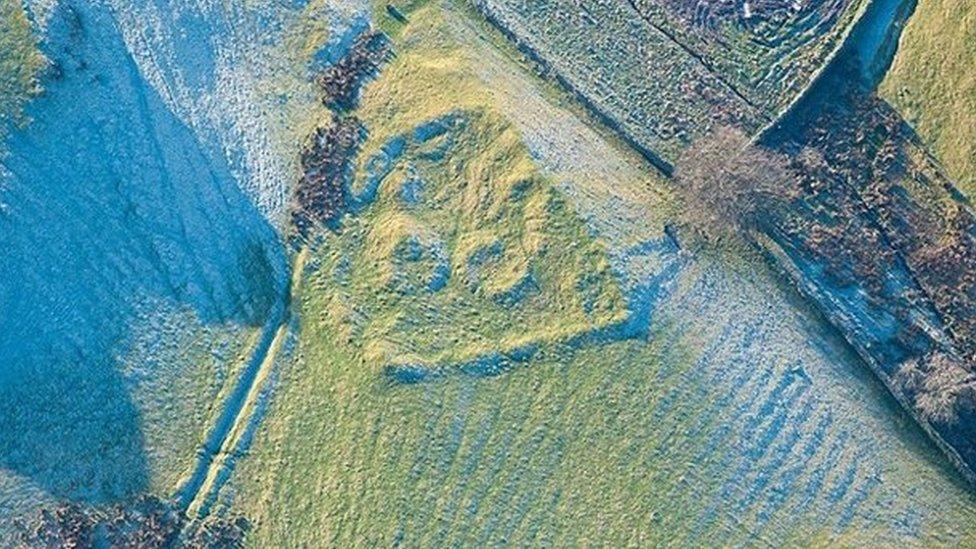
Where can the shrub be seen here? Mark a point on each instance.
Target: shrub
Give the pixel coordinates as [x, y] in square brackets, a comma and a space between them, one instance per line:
[941, 386]
[730, 186]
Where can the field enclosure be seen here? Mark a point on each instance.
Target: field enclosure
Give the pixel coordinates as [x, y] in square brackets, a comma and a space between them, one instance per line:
[665, 73]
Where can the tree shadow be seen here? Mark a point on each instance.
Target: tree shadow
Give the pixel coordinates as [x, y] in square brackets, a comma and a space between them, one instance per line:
[109, 201]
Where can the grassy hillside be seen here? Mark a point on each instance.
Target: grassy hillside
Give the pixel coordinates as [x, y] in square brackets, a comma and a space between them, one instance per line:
[20, 61]
[465, 253]
[933, 84]
[132, 284]
[462, 374]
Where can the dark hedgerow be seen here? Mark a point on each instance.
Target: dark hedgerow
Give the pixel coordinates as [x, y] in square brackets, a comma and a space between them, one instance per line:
[148, 522]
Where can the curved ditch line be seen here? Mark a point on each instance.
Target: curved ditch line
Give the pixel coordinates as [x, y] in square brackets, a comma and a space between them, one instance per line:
[241, 409]
[871, 40]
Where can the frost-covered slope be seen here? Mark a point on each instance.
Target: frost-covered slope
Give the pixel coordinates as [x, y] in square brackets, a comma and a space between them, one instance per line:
[140, 228]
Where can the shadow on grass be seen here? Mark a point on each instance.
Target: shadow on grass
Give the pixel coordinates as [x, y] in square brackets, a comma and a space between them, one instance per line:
[109, 201]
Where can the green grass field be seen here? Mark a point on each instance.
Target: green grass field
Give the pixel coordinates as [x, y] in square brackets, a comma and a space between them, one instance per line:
[20, 61]
[933, 84]
[523, 272]
[626, 442]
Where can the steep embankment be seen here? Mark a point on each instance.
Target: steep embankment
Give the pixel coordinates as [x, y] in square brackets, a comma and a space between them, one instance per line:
[321, 198]
[118, 221]
[140, 202]
[933, 85]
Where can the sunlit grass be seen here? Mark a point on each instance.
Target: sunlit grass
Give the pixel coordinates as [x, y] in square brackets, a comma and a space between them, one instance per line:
[933, 84]
[20, 62]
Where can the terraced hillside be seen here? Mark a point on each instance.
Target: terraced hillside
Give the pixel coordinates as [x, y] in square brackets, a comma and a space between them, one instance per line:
[724, 412]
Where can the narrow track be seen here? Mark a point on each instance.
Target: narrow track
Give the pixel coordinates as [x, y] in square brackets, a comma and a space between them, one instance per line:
[227, 440]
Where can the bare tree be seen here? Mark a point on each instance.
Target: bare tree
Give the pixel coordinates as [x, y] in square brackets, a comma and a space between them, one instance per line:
[728, 184]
